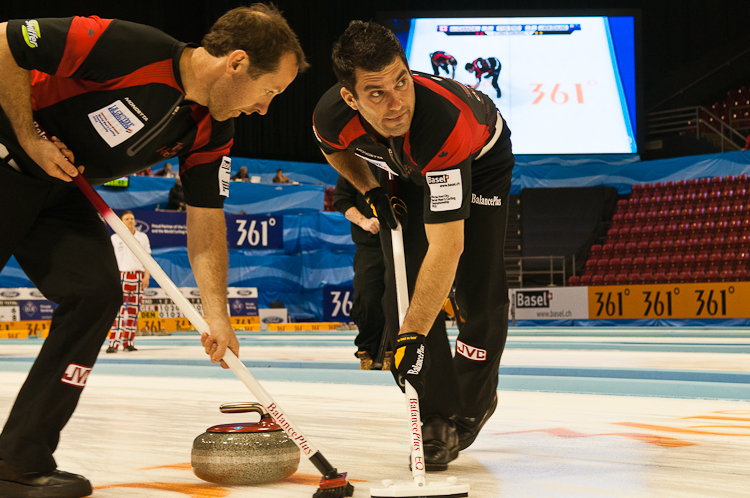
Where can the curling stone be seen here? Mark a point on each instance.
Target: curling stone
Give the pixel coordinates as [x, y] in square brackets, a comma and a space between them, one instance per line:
[245, 453]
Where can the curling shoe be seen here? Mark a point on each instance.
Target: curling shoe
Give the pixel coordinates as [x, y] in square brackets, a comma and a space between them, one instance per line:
[365, 360]
[440, 443]
[468, 427]
[129, 348]
[55, 484]
[111, 349]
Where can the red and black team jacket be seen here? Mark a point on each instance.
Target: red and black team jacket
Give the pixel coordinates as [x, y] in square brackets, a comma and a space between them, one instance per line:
[111, 90]
[451, 126]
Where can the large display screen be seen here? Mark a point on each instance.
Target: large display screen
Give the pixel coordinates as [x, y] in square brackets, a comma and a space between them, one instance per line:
[565, 85]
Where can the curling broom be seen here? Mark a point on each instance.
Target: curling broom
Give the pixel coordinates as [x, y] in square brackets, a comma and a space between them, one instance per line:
[419, 487]
[333, 484]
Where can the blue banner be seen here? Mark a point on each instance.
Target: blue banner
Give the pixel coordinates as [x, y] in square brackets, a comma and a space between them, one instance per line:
[169, 229]
[255, 232]
[337, 303]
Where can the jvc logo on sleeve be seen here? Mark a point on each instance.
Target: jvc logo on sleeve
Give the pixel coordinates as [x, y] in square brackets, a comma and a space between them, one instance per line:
[533, 299]
[76, 375]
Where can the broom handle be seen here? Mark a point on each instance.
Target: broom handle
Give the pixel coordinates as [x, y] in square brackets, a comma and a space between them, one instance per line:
[200, 324]
[412, 399]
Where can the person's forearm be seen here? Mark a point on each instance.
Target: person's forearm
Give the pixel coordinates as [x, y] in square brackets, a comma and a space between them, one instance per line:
[354, 169]
[207, 250]
[436, 275]
[352, 214]
[15, 92]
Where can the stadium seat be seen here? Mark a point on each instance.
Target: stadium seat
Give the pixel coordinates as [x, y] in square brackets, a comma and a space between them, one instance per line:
[597, 280]
[740, 275]
[595, 249]
[585, 279]
[574, 280]
[621, 279]
[609, 279]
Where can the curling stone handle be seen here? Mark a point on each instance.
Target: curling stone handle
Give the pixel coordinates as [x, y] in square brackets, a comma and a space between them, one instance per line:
[244, 408]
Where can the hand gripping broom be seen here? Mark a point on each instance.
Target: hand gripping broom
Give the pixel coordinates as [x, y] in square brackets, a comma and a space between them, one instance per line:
[419, 488]
[333, 484]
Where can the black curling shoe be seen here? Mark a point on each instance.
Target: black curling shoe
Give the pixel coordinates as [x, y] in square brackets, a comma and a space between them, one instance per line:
[440, 443]
[55, 484]
[468, 427]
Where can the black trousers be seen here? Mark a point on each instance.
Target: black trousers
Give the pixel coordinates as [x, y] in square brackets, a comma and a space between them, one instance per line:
[64, 248]
[464, 384]
[367, 306]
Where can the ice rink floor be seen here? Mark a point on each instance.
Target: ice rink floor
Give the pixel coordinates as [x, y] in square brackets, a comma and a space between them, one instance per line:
[582, 413]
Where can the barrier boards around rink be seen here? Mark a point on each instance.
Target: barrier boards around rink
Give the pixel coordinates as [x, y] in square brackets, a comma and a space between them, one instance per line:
[693, 300]
[628, 302]
[19, 307]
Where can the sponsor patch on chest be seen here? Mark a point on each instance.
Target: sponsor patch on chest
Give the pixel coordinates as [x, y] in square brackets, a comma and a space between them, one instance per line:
[446, 190]
[115, 123]
[225, 172]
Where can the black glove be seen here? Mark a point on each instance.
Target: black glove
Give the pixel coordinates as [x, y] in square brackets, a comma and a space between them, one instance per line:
[381, 207]
[410, 361]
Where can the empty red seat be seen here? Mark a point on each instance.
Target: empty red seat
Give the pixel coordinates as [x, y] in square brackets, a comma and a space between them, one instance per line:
[574, 280]
[740, 275]
[597, 280]
[686, 275]
[614, 262]
[712, 274]
[595, 249]
[585, 279]
[609, 279]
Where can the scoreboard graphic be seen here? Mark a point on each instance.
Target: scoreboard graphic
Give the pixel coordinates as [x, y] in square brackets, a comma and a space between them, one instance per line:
[565, 85]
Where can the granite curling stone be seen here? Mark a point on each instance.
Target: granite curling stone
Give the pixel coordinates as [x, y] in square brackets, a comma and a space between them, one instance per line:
[244, 453]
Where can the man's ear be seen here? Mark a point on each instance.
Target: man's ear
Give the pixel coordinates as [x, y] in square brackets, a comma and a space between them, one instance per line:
[348, 98]
[238, 61]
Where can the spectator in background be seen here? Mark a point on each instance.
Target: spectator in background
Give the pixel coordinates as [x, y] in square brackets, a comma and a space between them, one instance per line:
[145, 172]
[747, 144]
[167, 172]
[369, 273]
[241, 175]
[134, 280]
[177, 196]
[280, 177]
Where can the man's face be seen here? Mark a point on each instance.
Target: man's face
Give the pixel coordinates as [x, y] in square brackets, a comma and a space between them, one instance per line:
[385, 98]
[129, 221]
[236, 93]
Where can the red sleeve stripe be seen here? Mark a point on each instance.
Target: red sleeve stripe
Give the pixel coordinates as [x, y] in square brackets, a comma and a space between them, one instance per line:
[476, 134]
[320, 137]
[207, 157]
[203, 119]
[48, 90]
[83, 34]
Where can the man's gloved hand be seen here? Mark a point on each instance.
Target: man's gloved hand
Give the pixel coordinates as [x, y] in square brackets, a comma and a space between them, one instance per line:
[381, 207]
[410, 361]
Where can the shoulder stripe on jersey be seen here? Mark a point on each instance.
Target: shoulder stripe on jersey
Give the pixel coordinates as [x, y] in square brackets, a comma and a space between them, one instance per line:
[457, 148]
[459, 137]
[206, 157]
[83, 34]
[352, 131]
[203, 119]
[47, 90]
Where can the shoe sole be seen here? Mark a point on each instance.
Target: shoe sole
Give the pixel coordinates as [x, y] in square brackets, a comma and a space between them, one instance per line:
[10, 489]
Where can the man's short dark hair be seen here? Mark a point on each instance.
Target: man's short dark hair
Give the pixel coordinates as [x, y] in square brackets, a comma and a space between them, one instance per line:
[469, 66]
[261, 31]
[366, 46]
[127, 211]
